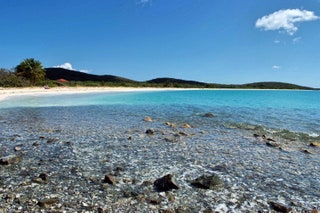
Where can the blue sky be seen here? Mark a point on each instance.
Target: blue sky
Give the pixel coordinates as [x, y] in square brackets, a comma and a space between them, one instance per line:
[236, 41]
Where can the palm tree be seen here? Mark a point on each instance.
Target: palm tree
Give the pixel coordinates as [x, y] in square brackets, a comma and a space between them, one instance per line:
[31, 69]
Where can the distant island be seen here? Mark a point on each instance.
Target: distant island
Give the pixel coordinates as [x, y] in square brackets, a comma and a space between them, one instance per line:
[65, 77]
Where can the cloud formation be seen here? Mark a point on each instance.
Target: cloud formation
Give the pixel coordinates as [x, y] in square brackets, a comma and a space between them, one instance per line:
[276, 67]
[68, 66]
[285, 20]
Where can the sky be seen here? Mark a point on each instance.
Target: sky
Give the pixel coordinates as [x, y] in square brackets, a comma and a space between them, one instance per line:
[213, 41]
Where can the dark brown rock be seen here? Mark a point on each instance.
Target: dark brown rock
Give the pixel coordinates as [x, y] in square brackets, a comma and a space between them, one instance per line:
[209, 115]
[150, 132]
[10, 159]
[154, 200]
[166, 183]
[272, 144]
[207, 182]
[256, 135]
[109, 179]
[47, 202]
[43, 176]
[279, 207]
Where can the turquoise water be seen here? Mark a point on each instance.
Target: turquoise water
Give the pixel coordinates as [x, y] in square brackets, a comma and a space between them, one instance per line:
[90, 136]
[297, 111]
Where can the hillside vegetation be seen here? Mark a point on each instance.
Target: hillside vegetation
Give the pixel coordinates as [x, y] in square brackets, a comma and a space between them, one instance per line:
[84, 79]
[63, 77]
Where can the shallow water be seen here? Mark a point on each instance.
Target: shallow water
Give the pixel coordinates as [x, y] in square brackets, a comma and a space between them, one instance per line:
[77, 139]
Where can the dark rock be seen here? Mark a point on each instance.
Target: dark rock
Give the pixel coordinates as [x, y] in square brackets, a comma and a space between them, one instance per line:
[270, 139]
[154, 200]
[52, 140]
[43, 176]
[35, 144]
[130, 138]
[10, 159]
[109, 179]
[207, 182]
[150, 132]
[272, 144]
[209, 115]
[166, 183]
[279, 207]
[256, 135]
[47, 202]
[306, 151]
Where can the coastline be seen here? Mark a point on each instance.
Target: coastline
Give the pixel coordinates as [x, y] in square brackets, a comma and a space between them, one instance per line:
[10, 92]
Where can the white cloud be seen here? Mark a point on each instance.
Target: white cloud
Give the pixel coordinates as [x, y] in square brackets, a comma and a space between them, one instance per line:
[68, 66]
[276, 67]
[285, 20]
[276, 41]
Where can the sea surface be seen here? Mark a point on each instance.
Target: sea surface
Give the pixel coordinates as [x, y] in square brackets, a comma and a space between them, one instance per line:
[256, 141]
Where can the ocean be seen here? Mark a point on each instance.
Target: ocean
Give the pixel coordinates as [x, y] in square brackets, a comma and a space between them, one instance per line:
[256, 141]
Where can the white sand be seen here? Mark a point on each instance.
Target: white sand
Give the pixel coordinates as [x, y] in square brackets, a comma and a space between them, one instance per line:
[9, 92]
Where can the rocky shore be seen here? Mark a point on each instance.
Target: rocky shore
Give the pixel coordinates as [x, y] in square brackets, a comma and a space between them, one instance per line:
[148, 164]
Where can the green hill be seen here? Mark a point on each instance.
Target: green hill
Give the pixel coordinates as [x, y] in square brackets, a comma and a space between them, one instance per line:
[111, 80]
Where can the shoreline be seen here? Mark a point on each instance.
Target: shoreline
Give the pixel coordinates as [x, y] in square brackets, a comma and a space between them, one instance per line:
[10, 92]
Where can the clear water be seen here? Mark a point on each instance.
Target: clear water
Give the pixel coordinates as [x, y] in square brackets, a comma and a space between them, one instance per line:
[98, 124]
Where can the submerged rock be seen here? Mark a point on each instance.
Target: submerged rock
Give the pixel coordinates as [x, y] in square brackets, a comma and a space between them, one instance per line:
[172, 125]
[46, 202]
[317, 144]
[208, 115]
[109, 179]
[150, 132]
[166, 183]
[272, 144]
[10, 159]
[207, 182]
[279, 207]
[186, 126]
[148, 119]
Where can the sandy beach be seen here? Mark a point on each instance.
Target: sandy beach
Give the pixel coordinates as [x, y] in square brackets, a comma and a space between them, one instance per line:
[9, 92]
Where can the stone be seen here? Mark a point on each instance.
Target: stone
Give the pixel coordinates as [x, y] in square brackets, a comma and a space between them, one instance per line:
[279, 207]
[256, 135]
[154, 200]
[47, 202]
[209, 115]
[148, 119]
[186, 126]
[207, 182]
[17, 148]
[166, 183]
[150, 132]
[43, 176]
[270, 139]
[272, 144]
[10, 159]
[314, 211]
[317, 144]
[172, 125]
[109, 179]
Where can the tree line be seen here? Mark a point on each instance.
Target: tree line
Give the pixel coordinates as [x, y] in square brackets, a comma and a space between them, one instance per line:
[29, 72]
